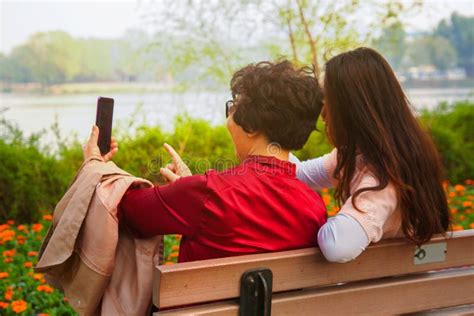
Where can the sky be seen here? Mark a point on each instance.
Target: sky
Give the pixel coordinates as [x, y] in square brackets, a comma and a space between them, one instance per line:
[110, 18]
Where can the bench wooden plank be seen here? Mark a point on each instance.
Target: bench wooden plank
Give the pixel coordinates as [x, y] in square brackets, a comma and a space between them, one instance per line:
[388, 296]
[463, 310]
[218, 279]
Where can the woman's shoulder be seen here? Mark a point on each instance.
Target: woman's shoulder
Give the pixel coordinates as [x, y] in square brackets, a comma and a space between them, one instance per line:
[376, 210]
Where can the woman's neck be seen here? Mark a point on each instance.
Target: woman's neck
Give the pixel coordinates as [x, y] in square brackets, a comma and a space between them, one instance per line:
[271, 150]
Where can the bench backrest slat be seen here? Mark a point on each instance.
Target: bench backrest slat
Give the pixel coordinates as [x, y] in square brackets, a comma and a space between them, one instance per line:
[389, 296]
[218, 279]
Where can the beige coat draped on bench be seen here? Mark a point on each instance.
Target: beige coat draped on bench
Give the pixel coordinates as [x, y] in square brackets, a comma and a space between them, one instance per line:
[100, 266]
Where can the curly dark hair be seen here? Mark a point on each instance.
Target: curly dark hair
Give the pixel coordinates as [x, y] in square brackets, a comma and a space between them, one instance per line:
[279, 100]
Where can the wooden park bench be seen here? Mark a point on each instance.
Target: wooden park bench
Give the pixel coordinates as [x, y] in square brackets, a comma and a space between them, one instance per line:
[390, 277]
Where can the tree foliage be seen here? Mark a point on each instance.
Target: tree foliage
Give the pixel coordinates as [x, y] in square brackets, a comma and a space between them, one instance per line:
[431, 50]
[459, 30]
[56, 57]
[392, 42]
[223, 35]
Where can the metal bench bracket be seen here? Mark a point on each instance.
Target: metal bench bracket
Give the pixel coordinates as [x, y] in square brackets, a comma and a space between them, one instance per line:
[430, 253]
[256, 292]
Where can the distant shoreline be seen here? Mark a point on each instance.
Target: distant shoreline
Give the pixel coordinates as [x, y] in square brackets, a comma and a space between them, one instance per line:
[143, 87]
[89, 87]
[439, 84]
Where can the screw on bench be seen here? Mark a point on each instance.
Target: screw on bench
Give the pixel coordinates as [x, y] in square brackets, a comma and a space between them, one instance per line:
[421, 253]
[256, 292]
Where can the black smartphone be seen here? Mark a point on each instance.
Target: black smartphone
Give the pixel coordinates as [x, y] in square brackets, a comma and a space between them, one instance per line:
[103, 120]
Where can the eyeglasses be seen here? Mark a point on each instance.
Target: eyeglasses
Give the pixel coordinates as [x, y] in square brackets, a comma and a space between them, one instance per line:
[228, 107]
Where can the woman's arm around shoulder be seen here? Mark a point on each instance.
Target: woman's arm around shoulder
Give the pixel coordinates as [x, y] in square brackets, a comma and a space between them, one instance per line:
[342, 239]
[346, 235]
[317, 172]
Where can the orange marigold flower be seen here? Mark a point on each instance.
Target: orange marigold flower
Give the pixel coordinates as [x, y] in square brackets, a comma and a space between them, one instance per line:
[45, 288]
[32, 253]
[28, 264]
[452, 194]
[42, 314]
[4, 305]
[471, 225]
[4, 275]
[19, 306]
[461, 217]
[4, 227]
[9, 253]
[453, 211]
[7, 235]
[467, 203]
[326, 199]
[469, 181]
[9, 293]
[48, 217]
[459, 188]
[38, 276]
[21, 228]
[11, 222]
[37, 227]
[8, 260]
[457, 227]
[324, 190]
[174, 247]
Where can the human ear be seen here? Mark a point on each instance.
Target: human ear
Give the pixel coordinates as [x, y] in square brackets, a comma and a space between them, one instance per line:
[253, 134]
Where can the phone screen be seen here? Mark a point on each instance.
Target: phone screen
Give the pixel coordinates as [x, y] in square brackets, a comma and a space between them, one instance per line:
[103, 120]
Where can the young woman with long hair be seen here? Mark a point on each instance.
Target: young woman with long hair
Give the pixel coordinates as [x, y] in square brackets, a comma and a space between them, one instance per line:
[385, 168]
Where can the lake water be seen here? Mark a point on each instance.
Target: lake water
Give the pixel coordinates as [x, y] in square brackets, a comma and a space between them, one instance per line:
[76, 113]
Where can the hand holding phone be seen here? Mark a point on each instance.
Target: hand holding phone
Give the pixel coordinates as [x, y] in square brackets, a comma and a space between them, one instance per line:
[90, 148]
[104, 116]
[100, 143]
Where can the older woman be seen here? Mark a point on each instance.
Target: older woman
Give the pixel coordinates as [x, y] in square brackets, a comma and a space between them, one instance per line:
[257, 206]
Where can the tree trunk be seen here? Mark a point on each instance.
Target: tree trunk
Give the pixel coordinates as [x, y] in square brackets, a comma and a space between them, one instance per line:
[311, 41]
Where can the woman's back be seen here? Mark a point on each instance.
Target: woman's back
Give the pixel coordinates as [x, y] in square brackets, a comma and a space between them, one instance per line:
[386, 171]
[258, 206]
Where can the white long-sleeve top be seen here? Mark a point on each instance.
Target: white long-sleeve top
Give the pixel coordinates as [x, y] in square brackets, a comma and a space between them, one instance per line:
[347, 234]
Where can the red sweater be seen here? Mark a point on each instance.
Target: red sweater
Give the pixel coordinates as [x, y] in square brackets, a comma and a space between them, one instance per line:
[258, 206]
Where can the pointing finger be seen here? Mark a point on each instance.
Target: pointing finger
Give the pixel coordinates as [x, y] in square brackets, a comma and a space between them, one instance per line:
[174, 155]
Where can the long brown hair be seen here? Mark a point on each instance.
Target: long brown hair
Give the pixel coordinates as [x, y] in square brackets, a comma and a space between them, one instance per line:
[368, 113]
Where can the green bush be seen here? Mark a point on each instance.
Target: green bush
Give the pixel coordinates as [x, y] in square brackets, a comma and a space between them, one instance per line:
[33, 178]
[452, 130]
[201, 145]
[30, 179]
